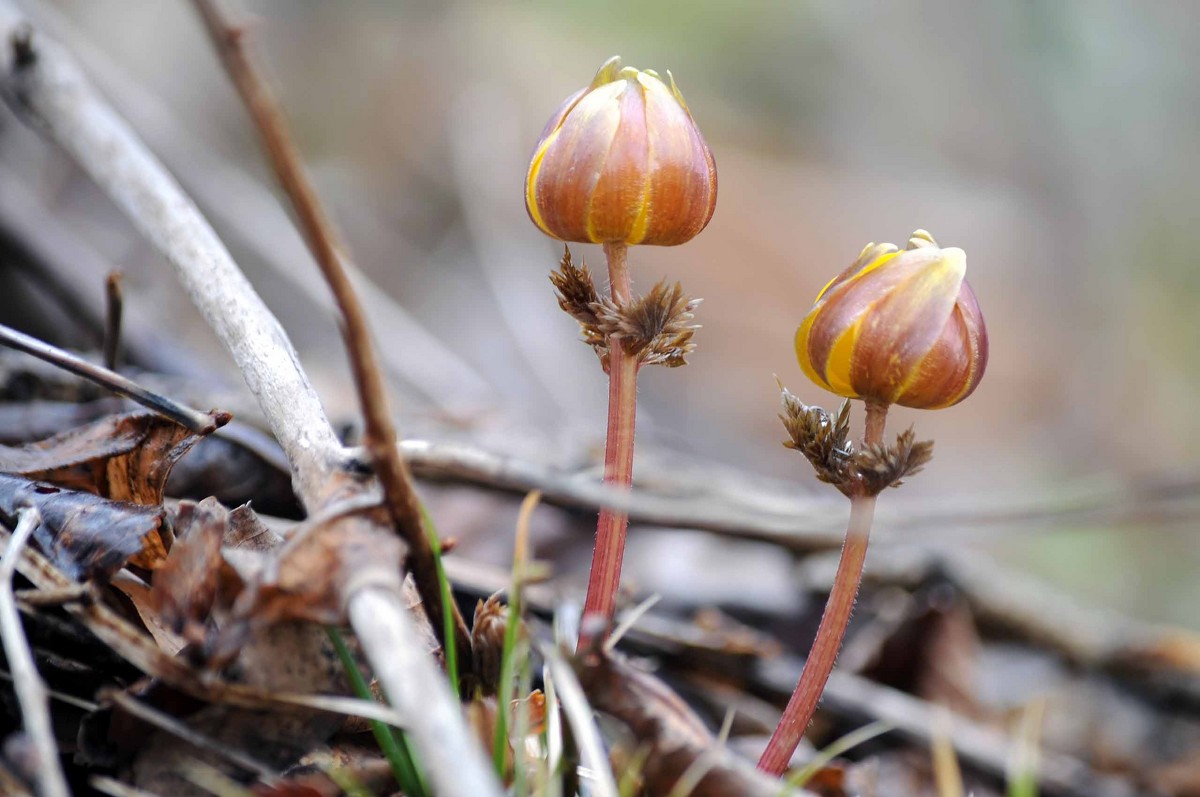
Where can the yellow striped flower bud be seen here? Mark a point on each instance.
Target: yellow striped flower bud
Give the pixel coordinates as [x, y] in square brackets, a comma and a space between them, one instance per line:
[622, 161]
[897, 327]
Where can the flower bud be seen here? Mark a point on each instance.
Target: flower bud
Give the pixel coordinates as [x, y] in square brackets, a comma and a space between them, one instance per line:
[897, 327]
[622, 161]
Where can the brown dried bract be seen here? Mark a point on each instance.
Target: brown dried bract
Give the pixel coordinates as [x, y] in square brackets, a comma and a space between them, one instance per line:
[487, 642]
[880, 466]
[824, 440]
[576, 292]
[656, 328]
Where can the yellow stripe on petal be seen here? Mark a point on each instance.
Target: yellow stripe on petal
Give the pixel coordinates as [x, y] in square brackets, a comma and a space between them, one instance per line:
[837, 365]
[874, 264]
[641, 223]
[802, 352]
[535, 166]
[826, 288]
[880, 260]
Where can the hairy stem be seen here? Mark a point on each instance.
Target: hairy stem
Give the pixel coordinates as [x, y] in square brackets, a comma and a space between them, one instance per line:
[836, 617]
[605, 575]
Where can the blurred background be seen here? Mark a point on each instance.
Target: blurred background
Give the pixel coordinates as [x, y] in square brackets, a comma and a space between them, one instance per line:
[1058, 143]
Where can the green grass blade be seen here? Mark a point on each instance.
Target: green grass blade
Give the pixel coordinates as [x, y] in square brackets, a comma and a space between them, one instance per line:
[504, 690]
[508, 669]
[395, 748]
[1023, 761]
[450, 642]
[837, 748]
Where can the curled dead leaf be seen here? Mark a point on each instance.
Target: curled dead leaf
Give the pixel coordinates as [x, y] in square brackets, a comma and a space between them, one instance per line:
[124, 458]
[84, 535]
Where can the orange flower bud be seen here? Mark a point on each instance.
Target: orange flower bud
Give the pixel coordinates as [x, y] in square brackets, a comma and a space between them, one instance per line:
[897, 327]
[622, 161]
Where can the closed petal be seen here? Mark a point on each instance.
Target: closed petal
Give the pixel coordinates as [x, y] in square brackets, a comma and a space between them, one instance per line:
[843, 305]
[904, 324]
[681, 193]
[572, 162]
[619, 193]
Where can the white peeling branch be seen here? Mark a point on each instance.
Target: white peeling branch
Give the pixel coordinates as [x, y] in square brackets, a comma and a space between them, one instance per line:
[43, 85]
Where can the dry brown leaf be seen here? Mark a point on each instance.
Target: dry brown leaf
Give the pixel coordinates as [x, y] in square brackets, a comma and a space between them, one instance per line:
[84, 535]
[121, 457]
[309, 577]
[144, 603]
[185, 586]
[934, 654]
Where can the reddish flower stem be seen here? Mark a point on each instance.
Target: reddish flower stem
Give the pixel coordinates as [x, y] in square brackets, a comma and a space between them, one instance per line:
[832, 629]
[605, 575]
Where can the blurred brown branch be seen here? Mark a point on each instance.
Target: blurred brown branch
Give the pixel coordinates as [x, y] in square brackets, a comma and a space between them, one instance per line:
[328, 249]
[43, 85]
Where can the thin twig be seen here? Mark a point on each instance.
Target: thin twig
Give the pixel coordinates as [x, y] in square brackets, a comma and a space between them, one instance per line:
[805, 525]
[61, 697]
[31, 692]
[976, 745]
[579, 717]
[175, 727]
[114, 309]
[201, 423]
[55, 597]
[116, 788]
[328, 250]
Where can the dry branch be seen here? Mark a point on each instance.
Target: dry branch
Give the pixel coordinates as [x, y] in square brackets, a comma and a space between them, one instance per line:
[31, 692]
[718, 502]
[41, 82]
[195, 421]
[380, 431]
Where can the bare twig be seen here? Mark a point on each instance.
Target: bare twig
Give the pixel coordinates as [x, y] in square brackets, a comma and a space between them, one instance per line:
[380, 431]
[976, 745]
[116, 788]
[46, 87]
[177, 728]
[61, 697]
[31, 692]
[201, 423]
[583, 725]
[51, 253]
[34, 598]
[114, 309]
[804, 525]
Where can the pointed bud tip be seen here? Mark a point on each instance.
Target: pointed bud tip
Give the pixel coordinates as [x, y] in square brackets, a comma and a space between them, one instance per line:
[591, 177]
[607, 72]
[920, 239]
